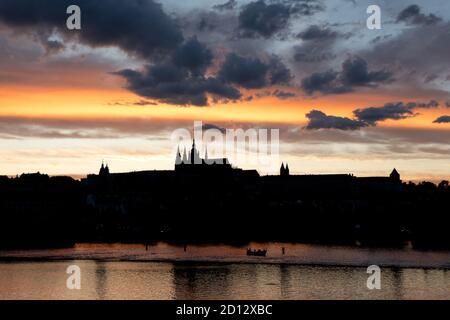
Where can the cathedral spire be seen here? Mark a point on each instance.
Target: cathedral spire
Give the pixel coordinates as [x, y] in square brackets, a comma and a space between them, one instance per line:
[178, 156]
[194, 153]
[104, 169]
[284, 170]
[185, 157]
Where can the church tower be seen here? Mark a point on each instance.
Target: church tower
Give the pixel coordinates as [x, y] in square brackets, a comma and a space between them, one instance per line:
[195, 155]
[395, 176]
[185, 157]
[104, 169]
[178, 157]
[282, 169]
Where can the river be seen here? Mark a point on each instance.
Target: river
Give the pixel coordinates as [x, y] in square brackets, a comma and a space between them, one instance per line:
[166, 271]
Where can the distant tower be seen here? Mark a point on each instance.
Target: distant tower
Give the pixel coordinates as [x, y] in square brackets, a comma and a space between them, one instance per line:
[284, 170]
[395, 176]
[185, 157]
[195, 155]
[104, 170]
[178, 157]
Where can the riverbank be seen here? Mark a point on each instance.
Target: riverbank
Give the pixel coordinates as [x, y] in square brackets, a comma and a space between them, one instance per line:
[295, 254]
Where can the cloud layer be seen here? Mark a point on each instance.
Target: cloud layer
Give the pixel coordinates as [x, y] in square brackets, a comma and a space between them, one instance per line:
[354, 73]
[136, 26]
[365, 117]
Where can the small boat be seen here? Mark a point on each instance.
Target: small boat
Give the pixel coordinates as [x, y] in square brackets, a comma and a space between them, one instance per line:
[256, 253]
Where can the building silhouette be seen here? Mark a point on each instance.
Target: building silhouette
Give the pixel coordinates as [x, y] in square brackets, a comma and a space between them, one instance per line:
[208, 200]
[395, 176]
[104, 170]
[193, 163]
[284, 170]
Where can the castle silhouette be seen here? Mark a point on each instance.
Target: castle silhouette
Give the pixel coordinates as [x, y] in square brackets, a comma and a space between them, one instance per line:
[194, 163]
[191, 163]
[208, 200]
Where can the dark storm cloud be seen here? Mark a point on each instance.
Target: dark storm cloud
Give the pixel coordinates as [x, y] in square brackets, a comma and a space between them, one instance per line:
[442, 119]
[302, 7]
[366, 117]
[317, 46]
[137, 26]
[413, 15]
[263, 19]
[372, 115]
[194, 56]
[259, 18]
[392, 111]
[229, 5]
[316, 32]
[181, 78]
[279, 73]
[176, 66]
[354, 73]
[319, 120]
[253, 73]
[169, 84]
[324, 82]
[249, 73]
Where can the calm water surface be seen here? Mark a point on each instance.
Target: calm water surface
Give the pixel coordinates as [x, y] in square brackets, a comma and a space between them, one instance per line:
[107, 278]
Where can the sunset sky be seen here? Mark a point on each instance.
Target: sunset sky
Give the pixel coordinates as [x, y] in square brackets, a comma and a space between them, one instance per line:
[346, 99]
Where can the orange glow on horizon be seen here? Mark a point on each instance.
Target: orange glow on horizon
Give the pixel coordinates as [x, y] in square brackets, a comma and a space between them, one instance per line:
[83, 103]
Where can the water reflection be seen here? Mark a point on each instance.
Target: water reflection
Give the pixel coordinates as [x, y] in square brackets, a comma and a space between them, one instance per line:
[149, 280]
[100, 280]
[201, 281]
